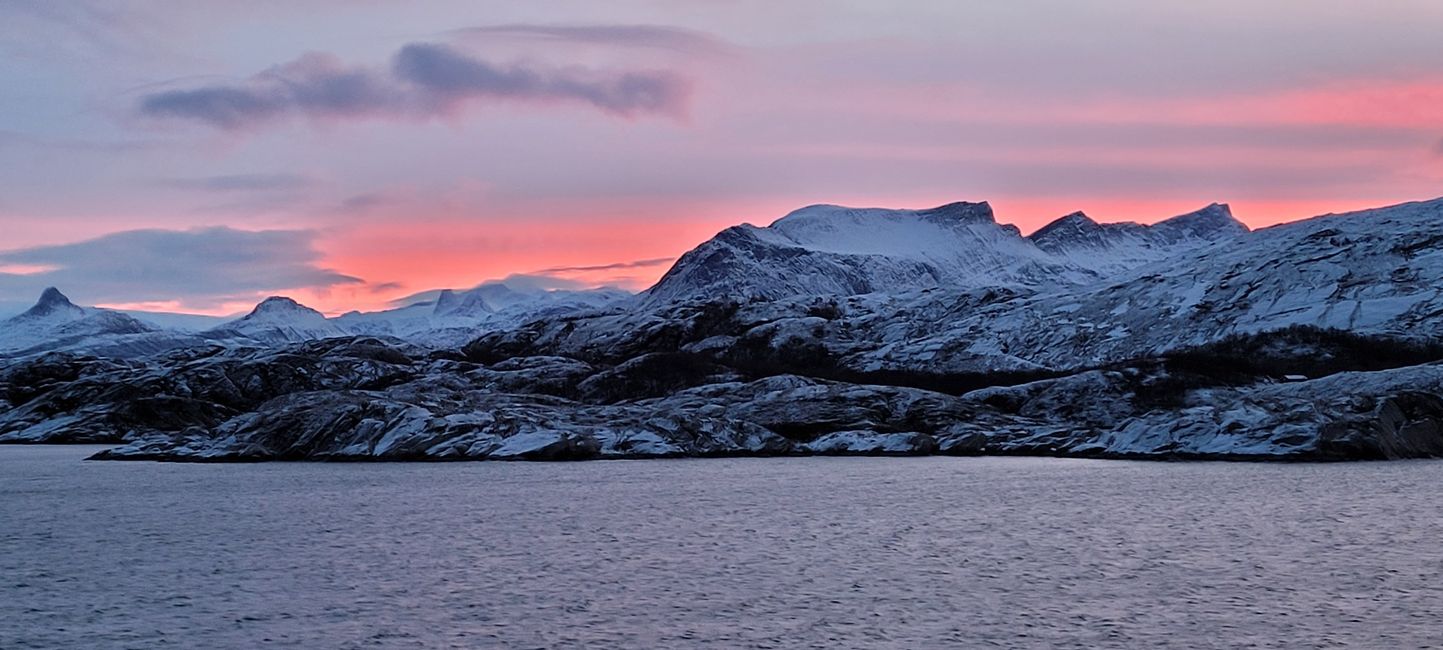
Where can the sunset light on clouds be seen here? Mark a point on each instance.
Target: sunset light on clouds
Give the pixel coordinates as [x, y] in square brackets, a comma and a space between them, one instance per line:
[200, 156]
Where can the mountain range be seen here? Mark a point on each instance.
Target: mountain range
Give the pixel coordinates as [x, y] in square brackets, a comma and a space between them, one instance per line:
[832, 330]
[453, 317]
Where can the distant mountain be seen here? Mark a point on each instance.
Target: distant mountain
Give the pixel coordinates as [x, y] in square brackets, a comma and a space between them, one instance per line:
[455, 316]
[55, 322]
[1116, 247]
[278, 320]
[839, 251]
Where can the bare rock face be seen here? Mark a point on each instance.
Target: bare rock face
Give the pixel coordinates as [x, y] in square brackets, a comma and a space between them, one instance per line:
[86, 399]
[1407, 424]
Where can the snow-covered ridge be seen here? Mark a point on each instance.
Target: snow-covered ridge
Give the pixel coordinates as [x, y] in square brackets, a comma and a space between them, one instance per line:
[836, 250]
[1372, 272]
[1113, 248]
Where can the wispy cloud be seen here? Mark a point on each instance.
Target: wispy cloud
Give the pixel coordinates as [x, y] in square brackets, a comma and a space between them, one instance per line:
[664, 37]
[364, 202]
[424, 80]
[15, 140]
[241, 182]
[106, 26]
[385, 287]
[199, 268]
[638, 264]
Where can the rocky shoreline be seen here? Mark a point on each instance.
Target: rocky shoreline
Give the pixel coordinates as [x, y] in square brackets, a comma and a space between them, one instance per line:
[370, 399]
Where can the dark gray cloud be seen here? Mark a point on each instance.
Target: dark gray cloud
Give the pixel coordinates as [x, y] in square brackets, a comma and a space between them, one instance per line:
[424, 80]
[676, 39]
[364, 202]
[447, 75]
[384, 287]
[637, 264]
[201, 268]
[241, 183]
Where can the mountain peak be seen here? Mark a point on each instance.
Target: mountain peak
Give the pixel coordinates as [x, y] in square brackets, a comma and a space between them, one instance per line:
[52, 302]
[52, 297]
[278, 305]
[465, 303]
[961, 211]
[838, 250]
[1215, 217]
[1074, 222]
[279, 319]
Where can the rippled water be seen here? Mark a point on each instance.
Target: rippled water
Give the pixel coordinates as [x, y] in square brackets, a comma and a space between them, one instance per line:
[779, 553]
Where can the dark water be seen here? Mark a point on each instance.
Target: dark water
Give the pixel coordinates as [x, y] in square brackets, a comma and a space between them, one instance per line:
[776, 553]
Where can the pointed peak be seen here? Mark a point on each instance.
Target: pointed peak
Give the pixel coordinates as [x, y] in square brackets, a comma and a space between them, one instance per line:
[1070, 223]
[1214, 217]
[53, 302]
[1214, 210]
[52, 296]
[1078, 218]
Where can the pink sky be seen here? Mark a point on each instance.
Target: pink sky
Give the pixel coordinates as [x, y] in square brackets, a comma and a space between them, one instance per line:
[349, 154]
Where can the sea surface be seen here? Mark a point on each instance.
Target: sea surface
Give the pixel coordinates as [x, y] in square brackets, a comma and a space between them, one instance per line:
[736, 553]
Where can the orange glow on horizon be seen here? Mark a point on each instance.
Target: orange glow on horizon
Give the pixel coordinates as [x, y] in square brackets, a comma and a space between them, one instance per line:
[420, 257]
[397, 260]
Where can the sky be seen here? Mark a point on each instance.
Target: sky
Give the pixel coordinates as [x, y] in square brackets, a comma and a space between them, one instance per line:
[198, 155]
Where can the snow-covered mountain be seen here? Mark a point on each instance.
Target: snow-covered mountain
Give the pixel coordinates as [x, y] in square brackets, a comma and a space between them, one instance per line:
[55, 322]
[1113, 248]
[839, 251]
[454, 317]
[1374, 272]
[278, 320]
[449, 320]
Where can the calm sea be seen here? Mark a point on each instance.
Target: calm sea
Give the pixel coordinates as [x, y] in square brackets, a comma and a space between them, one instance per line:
[737, 553]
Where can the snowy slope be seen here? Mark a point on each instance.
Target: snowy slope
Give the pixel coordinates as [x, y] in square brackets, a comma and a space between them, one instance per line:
[177, 321]
[1376, 271]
